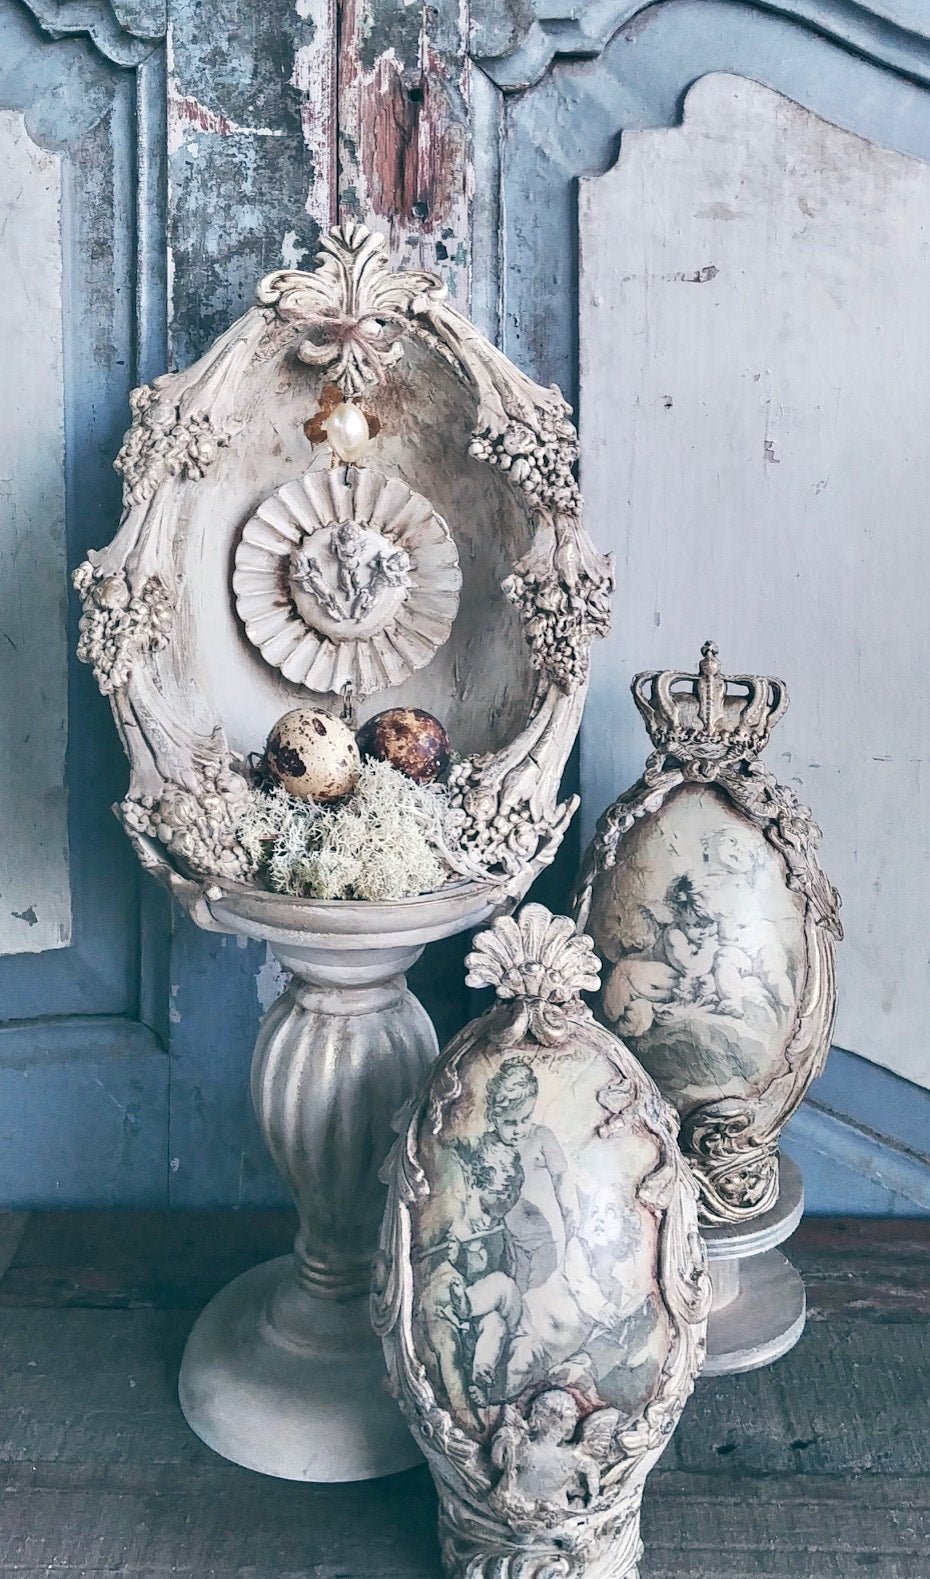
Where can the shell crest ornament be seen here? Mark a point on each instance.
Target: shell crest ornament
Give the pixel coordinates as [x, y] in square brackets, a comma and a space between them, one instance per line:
[716, 928]
[347, 577]
[541, 1290]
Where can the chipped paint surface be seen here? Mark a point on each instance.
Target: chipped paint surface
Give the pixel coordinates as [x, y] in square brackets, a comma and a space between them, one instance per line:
[35, 883]
[404, 138]
[249, 161]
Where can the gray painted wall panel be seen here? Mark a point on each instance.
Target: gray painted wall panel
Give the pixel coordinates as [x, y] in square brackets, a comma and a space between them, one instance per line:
[35, 885]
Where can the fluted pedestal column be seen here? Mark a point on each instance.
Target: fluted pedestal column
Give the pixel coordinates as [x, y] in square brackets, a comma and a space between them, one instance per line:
[282, 1372]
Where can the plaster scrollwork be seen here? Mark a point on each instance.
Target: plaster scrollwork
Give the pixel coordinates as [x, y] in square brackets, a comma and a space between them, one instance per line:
[546, 1481]
[707, 729]
[362, 588]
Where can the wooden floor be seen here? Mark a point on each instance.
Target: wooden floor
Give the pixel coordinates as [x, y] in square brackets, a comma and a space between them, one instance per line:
[818, 1468]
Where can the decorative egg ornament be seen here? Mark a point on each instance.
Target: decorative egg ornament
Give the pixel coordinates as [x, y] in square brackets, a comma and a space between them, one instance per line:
[716, 927]
[411, 740]
[541, 1291]
[313, 755]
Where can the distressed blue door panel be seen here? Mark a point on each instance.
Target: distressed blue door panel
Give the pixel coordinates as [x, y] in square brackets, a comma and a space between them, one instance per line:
[83, 1114]
[83, 1070]
[218, 989]
[569, 124]
[84, 107]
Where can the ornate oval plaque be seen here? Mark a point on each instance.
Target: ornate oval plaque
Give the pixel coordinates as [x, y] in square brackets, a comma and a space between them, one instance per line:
[347, 576]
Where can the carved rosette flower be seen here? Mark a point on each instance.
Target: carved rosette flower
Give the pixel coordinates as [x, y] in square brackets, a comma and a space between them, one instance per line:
[347, 576]
[117, 624]
[542, 963]
[160, 443]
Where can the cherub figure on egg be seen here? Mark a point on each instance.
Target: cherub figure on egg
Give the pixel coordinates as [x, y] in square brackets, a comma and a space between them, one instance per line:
[312, 755]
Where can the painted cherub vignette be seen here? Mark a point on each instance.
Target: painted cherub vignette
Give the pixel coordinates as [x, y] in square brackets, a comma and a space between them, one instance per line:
[541, 1290]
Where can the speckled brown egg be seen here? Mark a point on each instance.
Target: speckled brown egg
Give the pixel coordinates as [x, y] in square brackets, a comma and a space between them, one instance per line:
[313, 755]
[412, 740]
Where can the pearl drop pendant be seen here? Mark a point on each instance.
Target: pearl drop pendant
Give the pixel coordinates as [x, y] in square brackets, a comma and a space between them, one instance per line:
[347, 432]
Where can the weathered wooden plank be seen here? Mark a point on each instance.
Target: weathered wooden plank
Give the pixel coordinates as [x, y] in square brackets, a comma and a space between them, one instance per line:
[225, 1522]
[872, 1270]
[818, 1468]
[850, 1399]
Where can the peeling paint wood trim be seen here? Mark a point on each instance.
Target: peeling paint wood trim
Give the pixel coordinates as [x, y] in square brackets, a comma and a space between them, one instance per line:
[404, 132]
[69, 1037]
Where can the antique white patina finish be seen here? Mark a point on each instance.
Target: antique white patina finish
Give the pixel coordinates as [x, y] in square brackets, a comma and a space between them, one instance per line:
[351, 496]
[541, 1291]
[717, 926]
[160, 627]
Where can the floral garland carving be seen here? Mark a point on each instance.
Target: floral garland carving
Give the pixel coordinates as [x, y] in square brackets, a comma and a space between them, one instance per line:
[540, 459]
[161, 444]
[197, 821]
[117, 623]
[563, 595]
[497, 833]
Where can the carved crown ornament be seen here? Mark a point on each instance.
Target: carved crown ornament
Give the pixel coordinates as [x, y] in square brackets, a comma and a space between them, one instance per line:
[281, 537]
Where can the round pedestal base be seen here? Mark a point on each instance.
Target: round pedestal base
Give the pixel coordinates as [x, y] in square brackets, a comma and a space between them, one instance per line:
[292, 1386]
[763, 1321]
[759, 1304]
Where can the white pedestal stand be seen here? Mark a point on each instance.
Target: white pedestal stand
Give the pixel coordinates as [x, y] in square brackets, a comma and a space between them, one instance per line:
[282, 1372]
[759, 1302]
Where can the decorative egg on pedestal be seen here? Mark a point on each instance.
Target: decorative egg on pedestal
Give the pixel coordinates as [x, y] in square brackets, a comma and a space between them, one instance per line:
[413, 741]
[541, 1289]
[312, 755]
[717, 931]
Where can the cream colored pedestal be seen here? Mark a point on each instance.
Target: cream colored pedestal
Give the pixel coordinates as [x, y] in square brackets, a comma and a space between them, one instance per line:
[282, 1372]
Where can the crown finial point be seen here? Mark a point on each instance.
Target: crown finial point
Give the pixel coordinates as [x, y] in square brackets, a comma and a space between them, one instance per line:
[710, 659]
